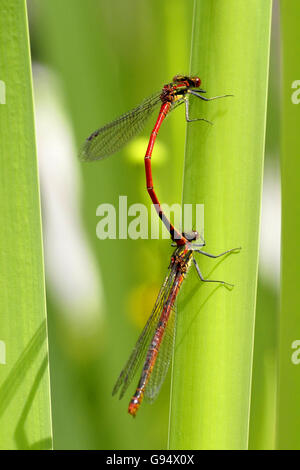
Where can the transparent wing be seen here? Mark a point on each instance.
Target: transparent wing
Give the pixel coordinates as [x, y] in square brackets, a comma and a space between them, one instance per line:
[163, 359]
[142, 343]
[110, 138]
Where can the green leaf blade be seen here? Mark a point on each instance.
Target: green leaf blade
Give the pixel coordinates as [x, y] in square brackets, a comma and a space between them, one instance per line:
[25, 420]
[223, 170]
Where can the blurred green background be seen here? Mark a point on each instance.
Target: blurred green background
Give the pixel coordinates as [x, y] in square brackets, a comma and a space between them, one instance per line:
[96, 60]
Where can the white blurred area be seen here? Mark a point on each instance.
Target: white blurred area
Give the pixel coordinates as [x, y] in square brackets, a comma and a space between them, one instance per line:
[270, 229]
[71, 272]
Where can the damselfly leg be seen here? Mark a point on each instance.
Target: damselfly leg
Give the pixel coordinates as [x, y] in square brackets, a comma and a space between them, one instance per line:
[213, 256]
[195, 93]
[218, 256]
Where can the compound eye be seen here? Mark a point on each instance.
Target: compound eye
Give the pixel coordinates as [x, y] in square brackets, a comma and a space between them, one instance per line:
[197, 82]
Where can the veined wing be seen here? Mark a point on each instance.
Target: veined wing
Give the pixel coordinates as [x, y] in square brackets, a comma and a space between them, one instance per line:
[164, 356]
[163, 360]
[142, 343]
[114, 135]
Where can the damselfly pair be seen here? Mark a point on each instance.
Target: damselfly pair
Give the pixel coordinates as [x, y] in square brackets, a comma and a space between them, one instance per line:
[155, 343]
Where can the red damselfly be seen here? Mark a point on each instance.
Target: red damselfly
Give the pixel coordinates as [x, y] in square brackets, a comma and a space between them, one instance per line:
[156, 341]
[110, 138]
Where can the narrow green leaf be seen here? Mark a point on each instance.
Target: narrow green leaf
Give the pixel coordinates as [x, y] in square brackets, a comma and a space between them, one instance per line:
[288, 411]
[223, 170]
[24, 376]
